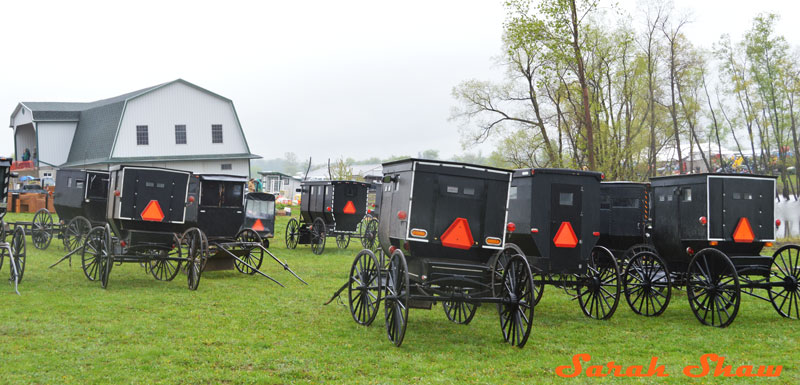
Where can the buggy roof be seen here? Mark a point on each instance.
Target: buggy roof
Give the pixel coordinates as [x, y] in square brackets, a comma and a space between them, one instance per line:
[443, 162]
[124, 166]
[332, 182]
[223, 178]
[528, 172]
[260, 196]
[671, 180]
[625, 183]
[713, 174]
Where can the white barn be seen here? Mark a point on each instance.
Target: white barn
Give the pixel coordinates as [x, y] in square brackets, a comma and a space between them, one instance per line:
[175, 125]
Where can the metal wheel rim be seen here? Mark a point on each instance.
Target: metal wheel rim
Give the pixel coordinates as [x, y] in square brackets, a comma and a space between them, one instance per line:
[594, 297]
[516, 318]
[254, 256]
[364, 291]
[292, 233]
[647, 284]
[785, 268]
[19, 253]
[396, 296]
[41, 229]
[92, 250]
[700, 276]
[318, 236]
[459, 312]
[75, 233]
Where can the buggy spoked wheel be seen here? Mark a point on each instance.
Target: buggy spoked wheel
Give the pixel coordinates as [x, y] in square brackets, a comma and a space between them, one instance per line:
[342, 241]
[94, 247]
[19, 252]
[459, 312]
[292, 233]
[254, 256]
[785, 280]
[517, 292]
[364, 292]
[107, 258]
[369, 239]
[598, 291]
[647, 284]
[163, 267]
[396, 297]
[42, 229]
[636, 249]
[75, 233]
[195, 246]
[712, 286]
[318, 236]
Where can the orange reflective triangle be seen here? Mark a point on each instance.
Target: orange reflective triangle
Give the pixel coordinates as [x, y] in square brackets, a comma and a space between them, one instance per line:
[565, 236]
[458, 235]
[153, 212]
[349, 208]
[258, 226]
[743, 232]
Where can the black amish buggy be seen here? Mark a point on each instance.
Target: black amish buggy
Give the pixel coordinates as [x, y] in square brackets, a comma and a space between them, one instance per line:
[233, 222]
[147, 223]
[327, 208]
[553, 221]
[15, 248]
[80, 200]
[706, 232]
[442, 228]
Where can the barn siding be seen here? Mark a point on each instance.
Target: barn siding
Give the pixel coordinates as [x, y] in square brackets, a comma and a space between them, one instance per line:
[21, 118]
[54, 141]
[173, 104]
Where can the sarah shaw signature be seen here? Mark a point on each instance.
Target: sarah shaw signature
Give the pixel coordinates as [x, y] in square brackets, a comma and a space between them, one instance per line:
[710, 364]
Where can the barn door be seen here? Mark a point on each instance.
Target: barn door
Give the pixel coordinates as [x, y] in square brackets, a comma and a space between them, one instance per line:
[565, 226]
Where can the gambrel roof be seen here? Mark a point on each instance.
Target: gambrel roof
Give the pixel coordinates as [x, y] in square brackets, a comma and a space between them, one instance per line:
[98, 123]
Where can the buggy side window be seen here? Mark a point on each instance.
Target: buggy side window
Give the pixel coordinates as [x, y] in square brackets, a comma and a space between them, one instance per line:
[625, 203]
[233, 195]
[605, 202]
[69, 182]
[565, 199]
[512, 192]
[78, 183]
[98, 187]
[469, 191]
[686, 195]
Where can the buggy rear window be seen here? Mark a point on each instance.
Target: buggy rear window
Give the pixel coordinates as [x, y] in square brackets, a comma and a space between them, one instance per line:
[686, 195]
[565, 199]
[221, 194]
[625, 203]
[744, 196]
[260, 209]
[98, 186]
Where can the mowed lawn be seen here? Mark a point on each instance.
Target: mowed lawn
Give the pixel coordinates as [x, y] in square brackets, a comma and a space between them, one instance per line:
[245, 329]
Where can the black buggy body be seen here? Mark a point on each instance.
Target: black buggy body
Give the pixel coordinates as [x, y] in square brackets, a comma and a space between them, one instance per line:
[554, 222]
[442, 228]
[81, 193]
[625, 217]
[328, 208]
[259, 211]
[705, 232]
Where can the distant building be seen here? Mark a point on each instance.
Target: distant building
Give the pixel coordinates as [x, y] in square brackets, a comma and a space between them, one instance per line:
[279, 183]
[175, 125]
[366, 172]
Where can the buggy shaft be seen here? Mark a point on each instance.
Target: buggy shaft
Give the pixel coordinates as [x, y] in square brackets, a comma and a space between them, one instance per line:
[68, 256]
[341, 289]
[252, 267]
[285, 266]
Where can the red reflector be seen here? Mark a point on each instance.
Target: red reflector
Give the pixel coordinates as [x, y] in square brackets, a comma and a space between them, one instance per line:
[534, 230]
[743, 232]
[153, 212]
[596, 233]
[458, 235]
[328, 209]
[401, 215]
[511, 227]
[191, 199]
[565, 236]
[258, 226]
[777, 223]
[392, 249]
[123, 243]
[349, 208]
[116, 193]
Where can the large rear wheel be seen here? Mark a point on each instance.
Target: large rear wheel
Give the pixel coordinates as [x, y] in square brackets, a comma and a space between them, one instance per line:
[292, 233]
[195, 248]
[396, 300]
[318, 236]
[253, 254]
[94, 247]
[712, 286]
[364, 292]
[784, 293]
[19, 253]
[75, 233]
[342, 241]
[517, 292]
[647, 284]
[107, 258]
[599, 289]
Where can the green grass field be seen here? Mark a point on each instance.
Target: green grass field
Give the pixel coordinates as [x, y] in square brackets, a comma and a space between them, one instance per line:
[245, 329]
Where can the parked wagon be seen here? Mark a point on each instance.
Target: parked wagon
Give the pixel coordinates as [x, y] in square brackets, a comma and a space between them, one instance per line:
[553, 222]
[146, 214]
[234, 223]
[442, 229]
[705, 232]
[13, 249]
[327, 208]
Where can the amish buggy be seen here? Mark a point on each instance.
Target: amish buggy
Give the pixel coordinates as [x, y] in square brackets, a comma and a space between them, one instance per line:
[234, 223]
[705, 232]
[14, 249]
[553, 222]
[79, 199]
[147, 223]
[442, 230]
[368, 227]
[327, 208]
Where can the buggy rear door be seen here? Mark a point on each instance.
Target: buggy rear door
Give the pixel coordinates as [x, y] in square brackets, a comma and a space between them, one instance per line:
[154, 195]
[565, 225]
[744, 197]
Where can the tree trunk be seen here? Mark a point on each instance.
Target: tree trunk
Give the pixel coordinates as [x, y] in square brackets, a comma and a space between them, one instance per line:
[587, 116]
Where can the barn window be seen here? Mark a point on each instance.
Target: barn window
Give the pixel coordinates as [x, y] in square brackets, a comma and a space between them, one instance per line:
[141, 136]
[216, 133]
[180, 134]
[565, 199]
[227, 166]
[686, 195]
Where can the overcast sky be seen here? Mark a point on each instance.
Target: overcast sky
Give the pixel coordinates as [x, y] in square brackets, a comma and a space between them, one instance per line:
[317, 78]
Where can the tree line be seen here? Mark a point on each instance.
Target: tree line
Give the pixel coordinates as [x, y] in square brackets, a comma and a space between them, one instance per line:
[588, 86]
